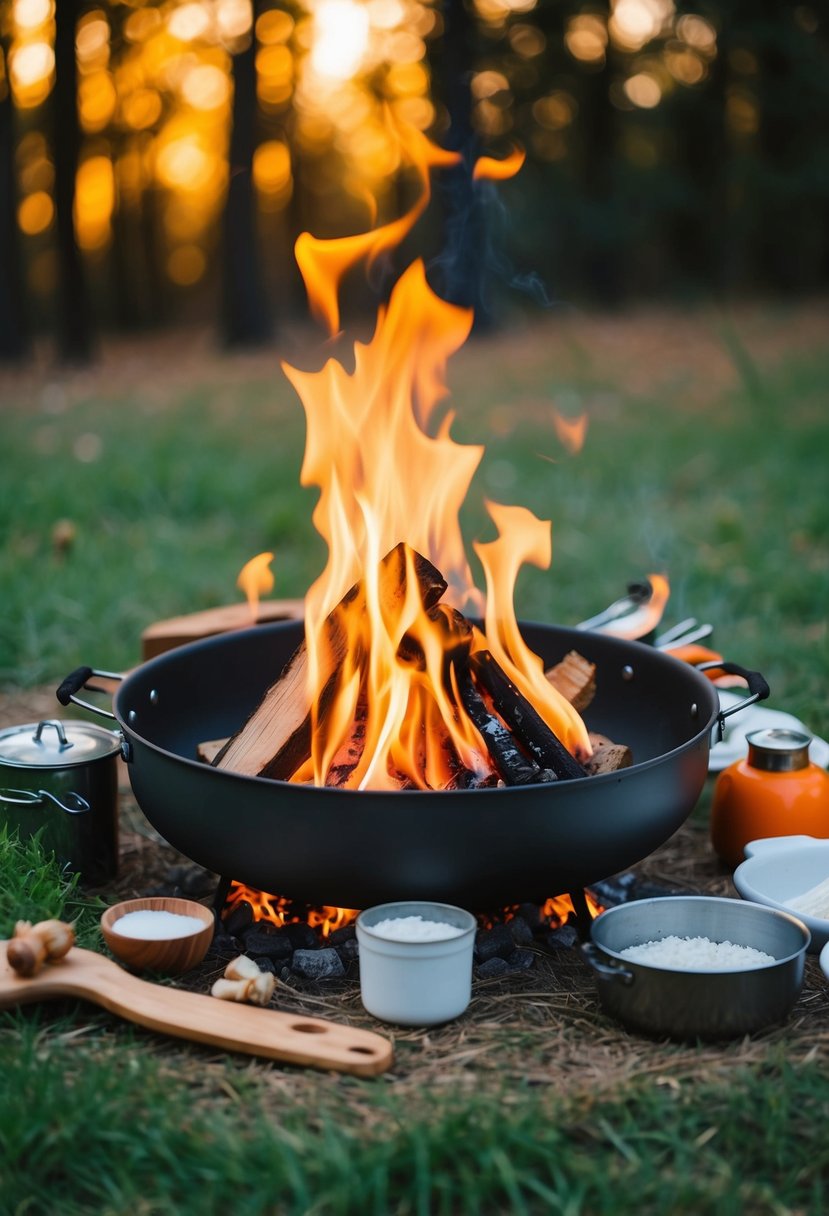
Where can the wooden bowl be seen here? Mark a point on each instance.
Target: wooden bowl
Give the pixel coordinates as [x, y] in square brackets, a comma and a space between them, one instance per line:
[171, 955]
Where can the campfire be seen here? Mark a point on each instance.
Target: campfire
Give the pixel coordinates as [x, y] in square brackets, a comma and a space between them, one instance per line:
[394, 687]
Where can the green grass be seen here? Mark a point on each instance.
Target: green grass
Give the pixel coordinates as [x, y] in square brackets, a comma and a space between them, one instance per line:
[106, 1128]
[33, 887]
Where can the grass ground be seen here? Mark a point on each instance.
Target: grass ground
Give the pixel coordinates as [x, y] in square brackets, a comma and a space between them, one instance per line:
[705, 457]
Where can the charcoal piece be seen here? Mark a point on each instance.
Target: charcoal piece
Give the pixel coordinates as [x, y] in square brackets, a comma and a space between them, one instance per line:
[492, 943]
[260, 943]
[302, 936]
[521, 960]
[521, 932]
[320, 964]
[238, 919]
[266, 964]
[348, 950]
[492, 968]
[612, 891]
[225, 945]
[347, 933]
[563, 938]
[531, 915]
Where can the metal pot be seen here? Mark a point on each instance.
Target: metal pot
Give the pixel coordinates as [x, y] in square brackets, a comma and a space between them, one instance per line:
[60, 777]
[353, 848]
[681, 1004]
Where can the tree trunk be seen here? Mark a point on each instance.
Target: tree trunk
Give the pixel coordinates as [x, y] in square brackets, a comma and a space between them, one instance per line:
[14, 335]
[246, 319]
[464, 260]
[73, 322]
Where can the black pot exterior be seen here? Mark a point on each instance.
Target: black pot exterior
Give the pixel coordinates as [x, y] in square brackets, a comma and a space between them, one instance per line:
[477, 848]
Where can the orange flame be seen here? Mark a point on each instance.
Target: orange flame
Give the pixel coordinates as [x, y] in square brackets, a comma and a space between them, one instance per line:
[388, 472]
[325, 262]
[498, 170]
[279, 910]
[571, 432]
[256, 579]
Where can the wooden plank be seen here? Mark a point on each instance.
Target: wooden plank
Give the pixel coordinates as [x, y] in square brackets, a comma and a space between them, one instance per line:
[270, 1033]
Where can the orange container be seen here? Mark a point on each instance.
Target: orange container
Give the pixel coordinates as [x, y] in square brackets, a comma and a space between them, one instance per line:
[775, 791]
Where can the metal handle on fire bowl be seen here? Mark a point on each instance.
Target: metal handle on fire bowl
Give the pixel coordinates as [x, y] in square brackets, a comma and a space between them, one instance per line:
[35, 797]
[605, 967]
[757, 687]
[76, 680]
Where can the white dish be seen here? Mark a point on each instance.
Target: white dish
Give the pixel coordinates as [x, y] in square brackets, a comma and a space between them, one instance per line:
[755, 717]
[780, 868]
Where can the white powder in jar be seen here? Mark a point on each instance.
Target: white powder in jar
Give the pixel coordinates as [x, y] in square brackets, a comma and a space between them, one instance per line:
[696, 954]
[814, 902]
[414, 929]
[156, 926]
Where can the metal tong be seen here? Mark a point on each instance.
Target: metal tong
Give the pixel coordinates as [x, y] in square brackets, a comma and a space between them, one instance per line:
[638, 593]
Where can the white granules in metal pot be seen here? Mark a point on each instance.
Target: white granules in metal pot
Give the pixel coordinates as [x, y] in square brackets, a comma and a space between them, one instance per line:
[696, 954]
[156, 926]
[414, 929]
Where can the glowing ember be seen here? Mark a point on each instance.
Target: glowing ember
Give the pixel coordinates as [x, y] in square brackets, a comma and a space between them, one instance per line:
[280, 911]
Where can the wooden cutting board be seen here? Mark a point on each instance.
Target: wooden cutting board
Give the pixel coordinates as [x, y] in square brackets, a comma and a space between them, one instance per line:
[188, 1015]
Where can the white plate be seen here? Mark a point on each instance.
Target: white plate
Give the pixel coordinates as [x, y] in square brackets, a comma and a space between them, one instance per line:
[779, 868]
[755, 717]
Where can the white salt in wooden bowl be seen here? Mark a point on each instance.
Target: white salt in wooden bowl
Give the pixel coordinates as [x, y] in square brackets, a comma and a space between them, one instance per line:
[153, 942]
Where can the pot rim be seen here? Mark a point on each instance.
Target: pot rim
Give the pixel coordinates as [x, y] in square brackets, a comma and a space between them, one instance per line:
[764, 910]
[706, 691]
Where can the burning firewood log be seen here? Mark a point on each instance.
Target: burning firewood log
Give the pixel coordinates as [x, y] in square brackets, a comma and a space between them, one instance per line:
[574, 678]
[514, 765]
[516, 745]
[607, 756]
[523, 718]
[276, 738]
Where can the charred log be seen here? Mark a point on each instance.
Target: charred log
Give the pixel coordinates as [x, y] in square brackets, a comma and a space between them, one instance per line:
[523, 719]
[515, 767]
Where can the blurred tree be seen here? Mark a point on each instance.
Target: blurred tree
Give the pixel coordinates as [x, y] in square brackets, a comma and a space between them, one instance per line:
[73, 316]
[246, 318]
[464, 261]
[14, 337]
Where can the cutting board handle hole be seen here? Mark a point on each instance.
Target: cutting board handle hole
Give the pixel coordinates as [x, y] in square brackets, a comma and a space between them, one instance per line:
[363, 1051]
[309, 1028]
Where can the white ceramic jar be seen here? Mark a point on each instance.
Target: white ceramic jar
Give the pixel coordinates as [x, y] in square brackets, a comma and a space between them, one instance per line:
[416, 982]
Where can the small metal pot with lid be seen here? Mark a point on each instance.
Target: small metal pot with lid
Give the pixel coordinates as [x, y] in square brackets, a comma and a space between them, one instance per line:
[61, 776]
